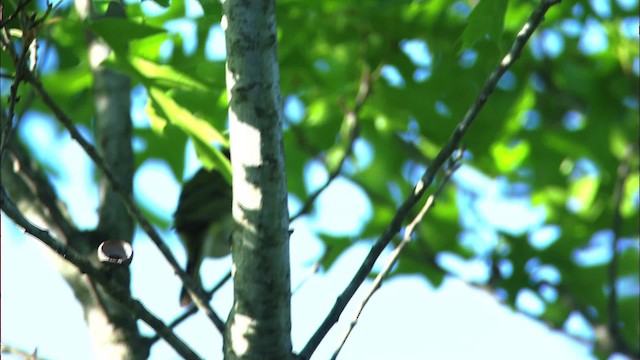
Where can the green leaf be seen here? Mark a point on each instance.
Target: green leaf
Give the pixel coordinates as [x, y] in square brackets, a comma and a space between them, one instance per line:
[335, 246]
[411, 265]
[211, 157]
[118, 32]
[486, 20]
[75, 80]
[556, 313]
[169, 147]
[628, 315]
[509, 157]
[71, 88]
[165, 76]
[149, 47]
[628, 263]
[584, 190]
[629, 205]
[165, 109]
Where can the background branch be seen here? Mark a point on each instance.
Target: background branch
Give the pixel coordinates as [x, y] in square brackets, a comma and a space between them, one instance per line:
[26, 182]
[395, 255]
[128, 202]
[191, 309]
[118, 182]
[101, 277]
[514, 53]
[350, 122]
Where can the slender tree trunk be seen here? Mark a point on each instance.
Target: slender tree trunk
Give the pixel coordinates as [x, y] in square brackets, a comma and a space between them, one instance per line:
[259, 324]
[114, 332]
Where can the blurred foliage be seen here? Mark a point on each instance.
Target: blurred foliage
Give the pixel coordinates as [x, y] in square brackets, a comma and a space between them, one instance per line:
[560, 124]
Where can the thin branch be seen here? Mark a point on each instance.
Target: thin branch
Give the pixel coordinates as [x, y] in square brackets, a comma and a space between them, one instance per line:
[514, 53]
[128, 201]
[32, 177]
[300, 138]
[20, 61]
[99, 276]
[37, 185]
[351, 123]
[395, 255]
[191, 310]
[29, 27]
[21, 6]
[613, 326]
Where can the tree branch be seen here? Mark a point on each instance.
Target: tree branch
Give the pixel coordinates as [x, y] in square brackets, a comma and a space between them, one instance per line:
[29, 44]
[21, 173]
[130, 205]
[350, 122]
[99, 276]
[523, 36]
[395, 255]
[19, 8]
[191, 310]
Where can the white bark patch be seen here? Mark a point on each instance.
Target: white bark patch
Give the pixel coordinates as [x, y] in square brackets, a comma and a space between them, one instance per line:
[246, 194]
[241, 328]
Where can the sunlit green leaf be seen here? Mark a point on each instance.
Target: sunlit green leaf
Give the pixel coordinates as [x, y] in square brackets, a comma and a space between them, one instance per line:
[159, 75]
[629, 205]
[509, 157]
[584, 190]
[202, 132]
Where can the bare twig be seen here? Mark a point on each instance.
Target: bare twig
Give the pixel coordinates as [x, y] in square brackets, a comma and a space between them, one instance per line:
[523, 36]
[351, 134]
[408, 232]
[111, 287]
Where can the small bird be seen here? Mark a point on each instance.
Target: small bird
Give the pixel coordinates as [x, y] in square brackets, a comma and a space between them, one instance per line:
[203, 221]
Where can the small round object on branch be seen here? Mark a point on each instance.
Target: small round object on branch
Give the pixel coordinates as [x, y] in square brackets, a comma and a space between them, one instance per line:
[116, 252]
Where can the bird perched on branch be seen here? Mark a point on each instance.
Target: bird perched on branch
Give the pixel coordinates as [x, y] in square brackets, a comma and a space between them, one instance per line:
[203, 221]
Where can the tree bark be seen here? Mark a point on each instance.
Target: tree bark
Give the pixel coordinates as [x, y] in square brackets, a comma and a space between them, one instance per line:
[259, 324]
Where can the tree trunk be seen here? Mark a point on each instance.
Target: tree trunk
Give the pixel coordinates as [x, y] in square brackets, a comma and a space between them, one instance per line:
[259, 324]
[113, 330]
